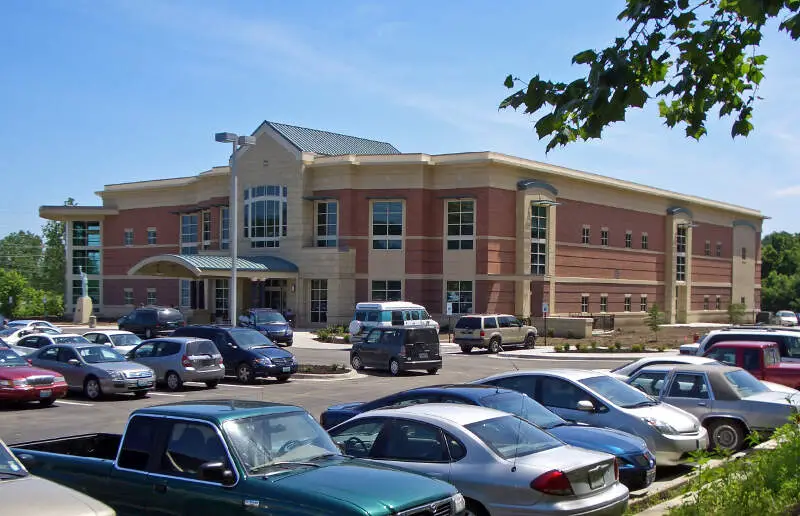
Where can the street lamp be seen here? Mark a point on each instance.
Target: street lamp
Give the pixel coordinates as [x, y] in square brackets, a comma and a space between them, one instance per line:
[237, 141]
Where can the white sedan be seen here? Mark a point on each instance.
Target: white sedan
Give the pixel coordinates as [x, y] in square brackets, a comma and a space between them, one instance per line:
[13, 334]
[787, 318]
[31, 343]
[120, 340]
[34, 324]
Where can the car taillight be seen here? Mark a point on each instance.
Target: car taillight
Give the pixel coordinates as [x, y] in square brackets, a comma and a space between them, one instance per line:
[219, 360]
[185, 361]
[30, 361]
[402, 351]
[483, 333]
[553, 482]
[616, 469]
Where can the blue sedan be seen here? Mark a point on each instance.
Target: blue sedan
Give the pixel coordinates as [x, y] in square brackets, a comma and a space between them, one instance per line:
[637, 465]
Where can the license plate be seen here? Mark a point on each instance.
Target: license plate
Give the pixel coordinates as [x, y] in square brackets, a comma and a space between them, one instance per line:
[287, 369]
[45, 394]
[143, 383]
[651, 475]
[423, 355]
[597, 478]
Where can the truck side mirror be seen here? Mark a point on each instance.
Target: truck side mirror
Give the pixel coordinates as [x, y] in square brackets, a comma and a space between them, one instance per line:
[74, 362]
[217, 472]
[585, 406]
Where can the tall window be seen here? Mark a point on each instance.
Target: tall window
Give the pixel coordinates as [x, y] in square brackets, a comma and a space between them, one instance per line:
[93, 288]
[459, 294]
[680, 254]
[585, 303]
[128, 296]
[152, 297]
[86, 260]
[327, 224]
[265, 215]
[627, 302]
[186, 293]
[127, 237]
[586, 233]
[707, 250]
[152, 236]
[225, 228]
[705, 303]
[86, 233]
[538, 240]
[189, 234]
[604, 303]
[206, 218]
[387, 225]
[628, 239]
[221, 294]
[744, 253]
[387, 290]
[719, 249]
[319, 301]
[718, 303]
[643, 303]
[604, 237]
[460, 224]
[644, 241]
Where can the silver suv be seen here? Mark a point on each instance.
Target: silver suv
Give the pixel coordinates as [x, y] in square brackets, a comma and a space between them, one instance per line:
[181, 359]
[493, 332]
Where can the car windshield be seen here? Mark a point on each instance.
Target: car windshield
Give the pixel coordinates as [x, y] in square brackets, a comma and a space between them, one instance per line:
[9, 467]
[268, 442]
[247, 339]
[9, 358]
[786, 314]
[268, 317]
[617, 392]
[70, 339]
[99, 355]
[125, 339]
[8, 332]
[523, 406]
[745, 383]
[510, 436]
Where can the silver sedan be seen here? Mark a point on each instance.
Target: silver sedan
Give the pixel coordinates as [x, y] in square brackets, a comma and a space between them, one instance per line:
[504, 465]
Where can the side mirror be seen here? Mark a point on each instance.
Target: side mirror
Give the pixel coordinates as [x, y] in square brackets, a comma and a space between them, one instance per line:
[585, 406]
[217, 472]
[74, 362]
[27, 460]
[342, 448]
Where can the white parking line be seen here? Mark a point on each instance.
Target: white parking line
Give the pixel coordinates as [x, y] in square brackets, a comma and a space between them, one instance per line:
[237, 386]
[151, 393]
[63, 402]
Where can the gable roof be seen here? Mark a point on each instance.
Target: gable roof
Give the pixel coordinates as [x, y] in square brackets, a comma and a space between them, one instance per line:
[330, 144]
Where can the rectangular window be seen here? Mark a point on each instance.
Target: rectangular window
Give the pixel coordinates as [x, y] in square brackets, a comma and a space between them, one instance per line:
[87, 261]
[742, 300]
[644, 241]
[707, 250]
[718, 303]
[221, 294]
[627, 302]
[206, 218]
[186, 293]
[680, 254]
[225, 228]
[152, 236]
[643, 303]
[127, 238]
[93, 287]
[586, 233]
[719, 249]
[128, 296]
[744, 253]
[460, 224]
[319, 301]
[628, 239]
[538, 240]
[265, 215]
[152, 299]
[585, 303]
[604, 237]
[705, 303]
[86, 233]
[387, 290]
[387, 225]
[327, 224]
[459, 294]
[189, 234]
[604, 303]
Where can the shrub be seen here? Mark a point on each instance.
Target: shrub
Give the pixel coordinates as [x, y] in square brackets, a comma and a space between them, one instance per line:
[735, 313]
[654, 320]
[551, 332]
[565, 347]
[347, 338]
[618, 345]
[594, 345]
[661, 348]
[637, 348]
[324, 335]
[578, 347]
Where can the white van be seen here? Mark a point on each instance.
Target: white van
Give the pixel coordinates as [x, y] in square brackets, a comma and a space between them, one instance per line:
[389, 313]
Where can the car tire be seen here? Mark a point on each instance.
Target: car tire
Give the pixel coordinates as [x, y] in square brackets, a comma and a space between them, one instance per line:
[139, 394]
[394, 367]
[148, 333]
[433, 370]
[212, 384]
[727, 434]
[494, 345]
[466, 349]
[356, 363]
[173, 381]
[245, 374]
[475, 508]
[289, 343]
[283, 378]
[530, 341]
[46, 402]
[92, 389]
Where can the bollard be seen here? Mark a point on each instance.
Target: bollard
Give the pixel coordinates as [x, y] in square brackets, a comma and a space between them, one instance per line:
[92, 321]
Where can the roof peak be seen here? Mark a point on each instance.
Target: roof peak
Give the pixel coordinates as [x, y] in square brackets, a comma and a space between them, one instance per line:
[329, 143]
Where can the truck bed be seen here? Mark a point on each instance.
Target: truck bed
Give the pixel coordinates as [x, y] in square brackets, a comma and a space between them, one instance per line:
[97, 446]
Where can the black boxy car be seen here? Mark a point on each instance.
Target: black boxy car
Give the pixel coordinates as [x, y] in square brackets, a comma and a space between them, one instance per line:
[397, 349]
[246, 353]
[150, 321]
[271, 323]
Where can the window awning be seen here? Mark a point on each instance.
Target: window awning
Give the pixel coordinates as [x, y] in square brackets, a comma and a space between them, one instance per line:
[199, 266]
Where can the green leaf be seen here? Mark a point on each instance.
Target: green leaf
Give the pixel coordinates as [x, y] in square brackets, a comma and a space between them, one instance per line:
[509, 82]
[585, 57]
[546, 125]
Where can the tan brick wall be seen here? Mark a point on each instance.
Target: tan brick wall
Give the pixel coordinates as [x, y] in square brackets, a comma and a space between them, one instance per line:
[494, 296]
[568, 296]
[711, 270]
[594, 262]
[573, 215]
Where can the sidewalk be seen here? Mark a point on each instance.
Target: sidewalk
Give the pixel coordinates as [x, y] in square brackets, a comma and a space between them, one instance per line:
[549, 353]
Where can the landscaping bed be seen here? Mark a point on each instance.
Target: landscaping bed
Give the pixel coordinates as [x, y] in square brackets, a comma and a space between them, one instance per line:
[628, 340]
[323, 369]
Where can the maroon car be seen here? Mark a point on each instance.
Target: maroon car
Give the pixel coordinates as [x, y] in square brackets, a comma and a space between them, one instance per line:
[21, 382]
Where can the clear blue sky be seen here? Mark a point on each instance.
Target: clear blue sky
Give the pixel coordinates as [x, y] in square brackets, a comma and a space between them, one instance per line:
[104, 92]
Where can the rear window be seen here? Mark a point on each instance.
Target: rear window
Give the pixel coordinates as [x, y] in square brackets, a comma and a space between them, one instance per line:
[469, 323]
[424, 336]
[170, 315]
[201, 347]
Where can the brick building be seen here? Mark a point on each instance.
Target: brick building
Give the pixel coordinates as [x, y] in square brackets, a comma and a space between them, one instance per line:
[327, 220]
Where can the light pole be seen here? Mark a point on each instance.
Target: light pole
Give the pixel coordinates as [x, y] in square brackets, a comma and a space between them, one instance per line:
[233, 209]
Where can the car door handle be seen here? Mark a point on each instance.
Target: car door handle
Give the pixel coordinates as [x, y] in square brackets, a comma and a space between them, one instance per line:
[160, 488]
[701, 403]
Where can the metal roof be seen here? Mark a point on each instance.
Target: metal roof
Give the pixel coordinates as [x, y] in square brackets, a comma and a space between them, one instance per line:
[330, 144]
[223, 263]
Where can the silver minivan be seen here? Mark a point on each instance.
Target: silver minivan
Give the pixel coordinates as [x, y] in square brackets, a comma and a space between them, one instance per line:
[176, 360]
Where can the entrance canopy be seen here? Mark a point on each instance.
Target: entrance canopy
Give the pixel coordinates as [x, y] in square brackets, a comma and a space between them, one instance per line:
[204, 266]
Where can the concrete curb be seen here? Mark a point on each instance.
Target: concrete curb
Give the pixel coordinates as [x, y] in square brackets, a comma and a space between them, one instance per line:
[552, 355]
[331, 377]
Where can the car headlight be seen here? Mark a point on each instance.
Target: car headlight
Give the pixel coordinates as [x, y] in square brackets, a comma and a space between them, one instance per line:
[21, 382]
[288, 331]
[294, 359]
[262, 361]
[659, 425]
[6, 383]
[115, 375]
[459, 504]
[58, 379]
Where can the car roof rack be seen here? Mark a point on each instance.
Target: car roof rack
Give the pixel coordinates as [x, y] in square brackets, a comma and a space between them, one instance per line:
[749, 327]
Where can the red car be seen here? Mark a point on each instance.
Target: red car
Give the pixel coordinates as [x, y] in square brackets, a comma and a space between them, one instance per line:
[21, 382]
[761, 359]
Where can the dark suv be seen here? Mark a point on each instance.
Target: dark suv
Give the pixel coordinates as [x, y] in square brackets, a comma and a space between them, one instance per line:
[150, 321]
[398, 348]
[271, 323]
[246, 353]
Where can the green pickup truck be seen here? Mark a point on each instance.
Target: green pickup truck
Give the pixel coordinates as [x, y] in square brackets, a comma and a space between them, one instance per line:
[231, 457]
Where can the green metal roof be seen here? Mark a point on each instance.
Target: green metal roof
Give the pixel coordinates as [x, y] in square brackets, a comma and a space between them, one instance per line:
[223, 263]
[330, 144]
